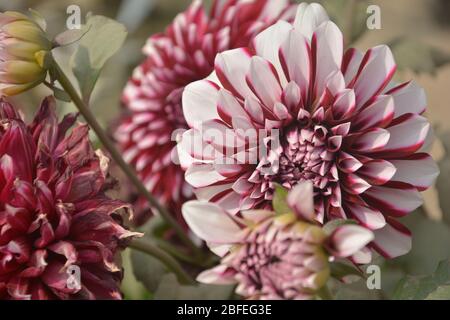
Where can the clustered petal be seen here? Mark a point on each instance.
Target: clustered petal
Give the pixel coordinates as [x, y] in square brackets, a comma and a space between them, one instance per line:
[323, 115]
[23, 45]
[184, 53]
[271, 255]
[55, 217]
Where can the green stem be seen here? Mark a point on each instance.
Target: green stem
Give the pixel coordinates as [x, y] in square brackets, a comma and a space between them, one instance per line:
[117, 157]
[172, 264]
[207, 262]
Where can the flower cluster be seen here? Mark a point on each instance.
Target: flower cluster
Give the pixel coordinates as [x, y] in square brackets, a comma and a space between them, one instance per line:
[283, 255]
[343, 125]
[54, 213]
[184, 53]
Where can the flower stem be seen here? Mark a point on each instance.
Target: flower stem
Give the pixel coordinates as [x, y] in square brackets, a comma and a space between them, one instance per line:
[172, 264]
[117, 157]
[207, 262]
[325, 294]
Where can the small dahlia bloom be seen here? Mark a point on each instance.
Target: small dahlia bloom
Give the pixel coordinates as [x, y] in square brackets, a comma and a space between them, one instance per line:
[184, 53]
[59, 231]
[327, 116]
[273, 255]
[23, 45]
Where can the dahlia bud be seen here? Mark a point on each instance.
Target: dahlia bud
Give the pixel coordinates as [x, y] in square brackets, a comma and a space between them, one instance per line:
[23, 46]
[272, 255]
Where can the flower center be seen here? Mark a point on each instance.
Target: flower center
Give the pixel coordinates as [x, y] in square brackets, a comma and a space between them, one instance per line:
[308, 153]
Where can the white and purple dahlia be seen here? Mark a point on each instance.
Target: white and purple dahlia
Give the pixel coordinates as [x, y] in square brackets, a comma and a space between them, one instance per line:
[326, 115]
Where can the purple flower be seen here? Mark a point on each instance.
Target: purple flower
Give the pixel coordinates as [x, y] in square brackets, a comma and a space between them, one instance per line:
[184, 53]
[55, 218]
[273, 255]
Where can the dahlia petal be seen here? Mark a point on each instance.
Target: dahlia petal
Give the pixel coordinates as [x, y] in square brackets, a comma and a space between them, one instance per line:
[393, 240]
[366, 216]
[377, 172]
[263, 81]
[401, 140]
[363, 256]
[349, 239]
[230, 202]
[192, 147]
[200, 102]
[295, 56]
[309, 17]
[228, 107]
[350, 64]
[219, 249]
[378, 114]
[254, 109]
[267, 45]
[419, 170]
[202, 175]
[354, 184]
[300, 199]
[231, 68]
[344, 104]
[395, 202]
[328, 43]
[408, 98]
[220, 275]
[376, 70]
[371, 141]
[209, 192]
[210, 223]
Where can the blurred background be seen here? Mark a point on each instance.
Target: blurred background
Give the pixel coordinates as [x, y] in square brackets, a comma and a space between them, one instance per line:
[418, 31]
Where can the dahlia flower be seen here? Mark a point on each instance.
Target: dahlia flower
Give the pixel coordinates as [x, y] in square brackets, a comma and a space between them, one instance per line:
[325, 116]
[23, 45]
[184, 53]
[273, 255]
[55, 217]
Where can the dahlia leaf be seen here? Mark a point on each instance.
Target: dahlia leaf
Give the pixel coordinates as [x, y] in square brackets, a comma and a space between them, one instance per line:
[69, 37]
[61, 95]
[279, 201]
[420, 287]
[339, 12]
[148, 270]
[102, 40]
[441, 293]
[442, 182]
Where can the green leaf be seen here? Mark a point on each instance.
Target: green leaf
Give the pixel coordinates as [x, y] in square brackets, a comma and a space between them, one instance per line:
[280, 200]
[420, 287]
[442, 182]
[419, 57]
[170, 289]
[340, 11]
[61, 95]
[102, 40]
[69, 37]
[148, 270]
[441, 293]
